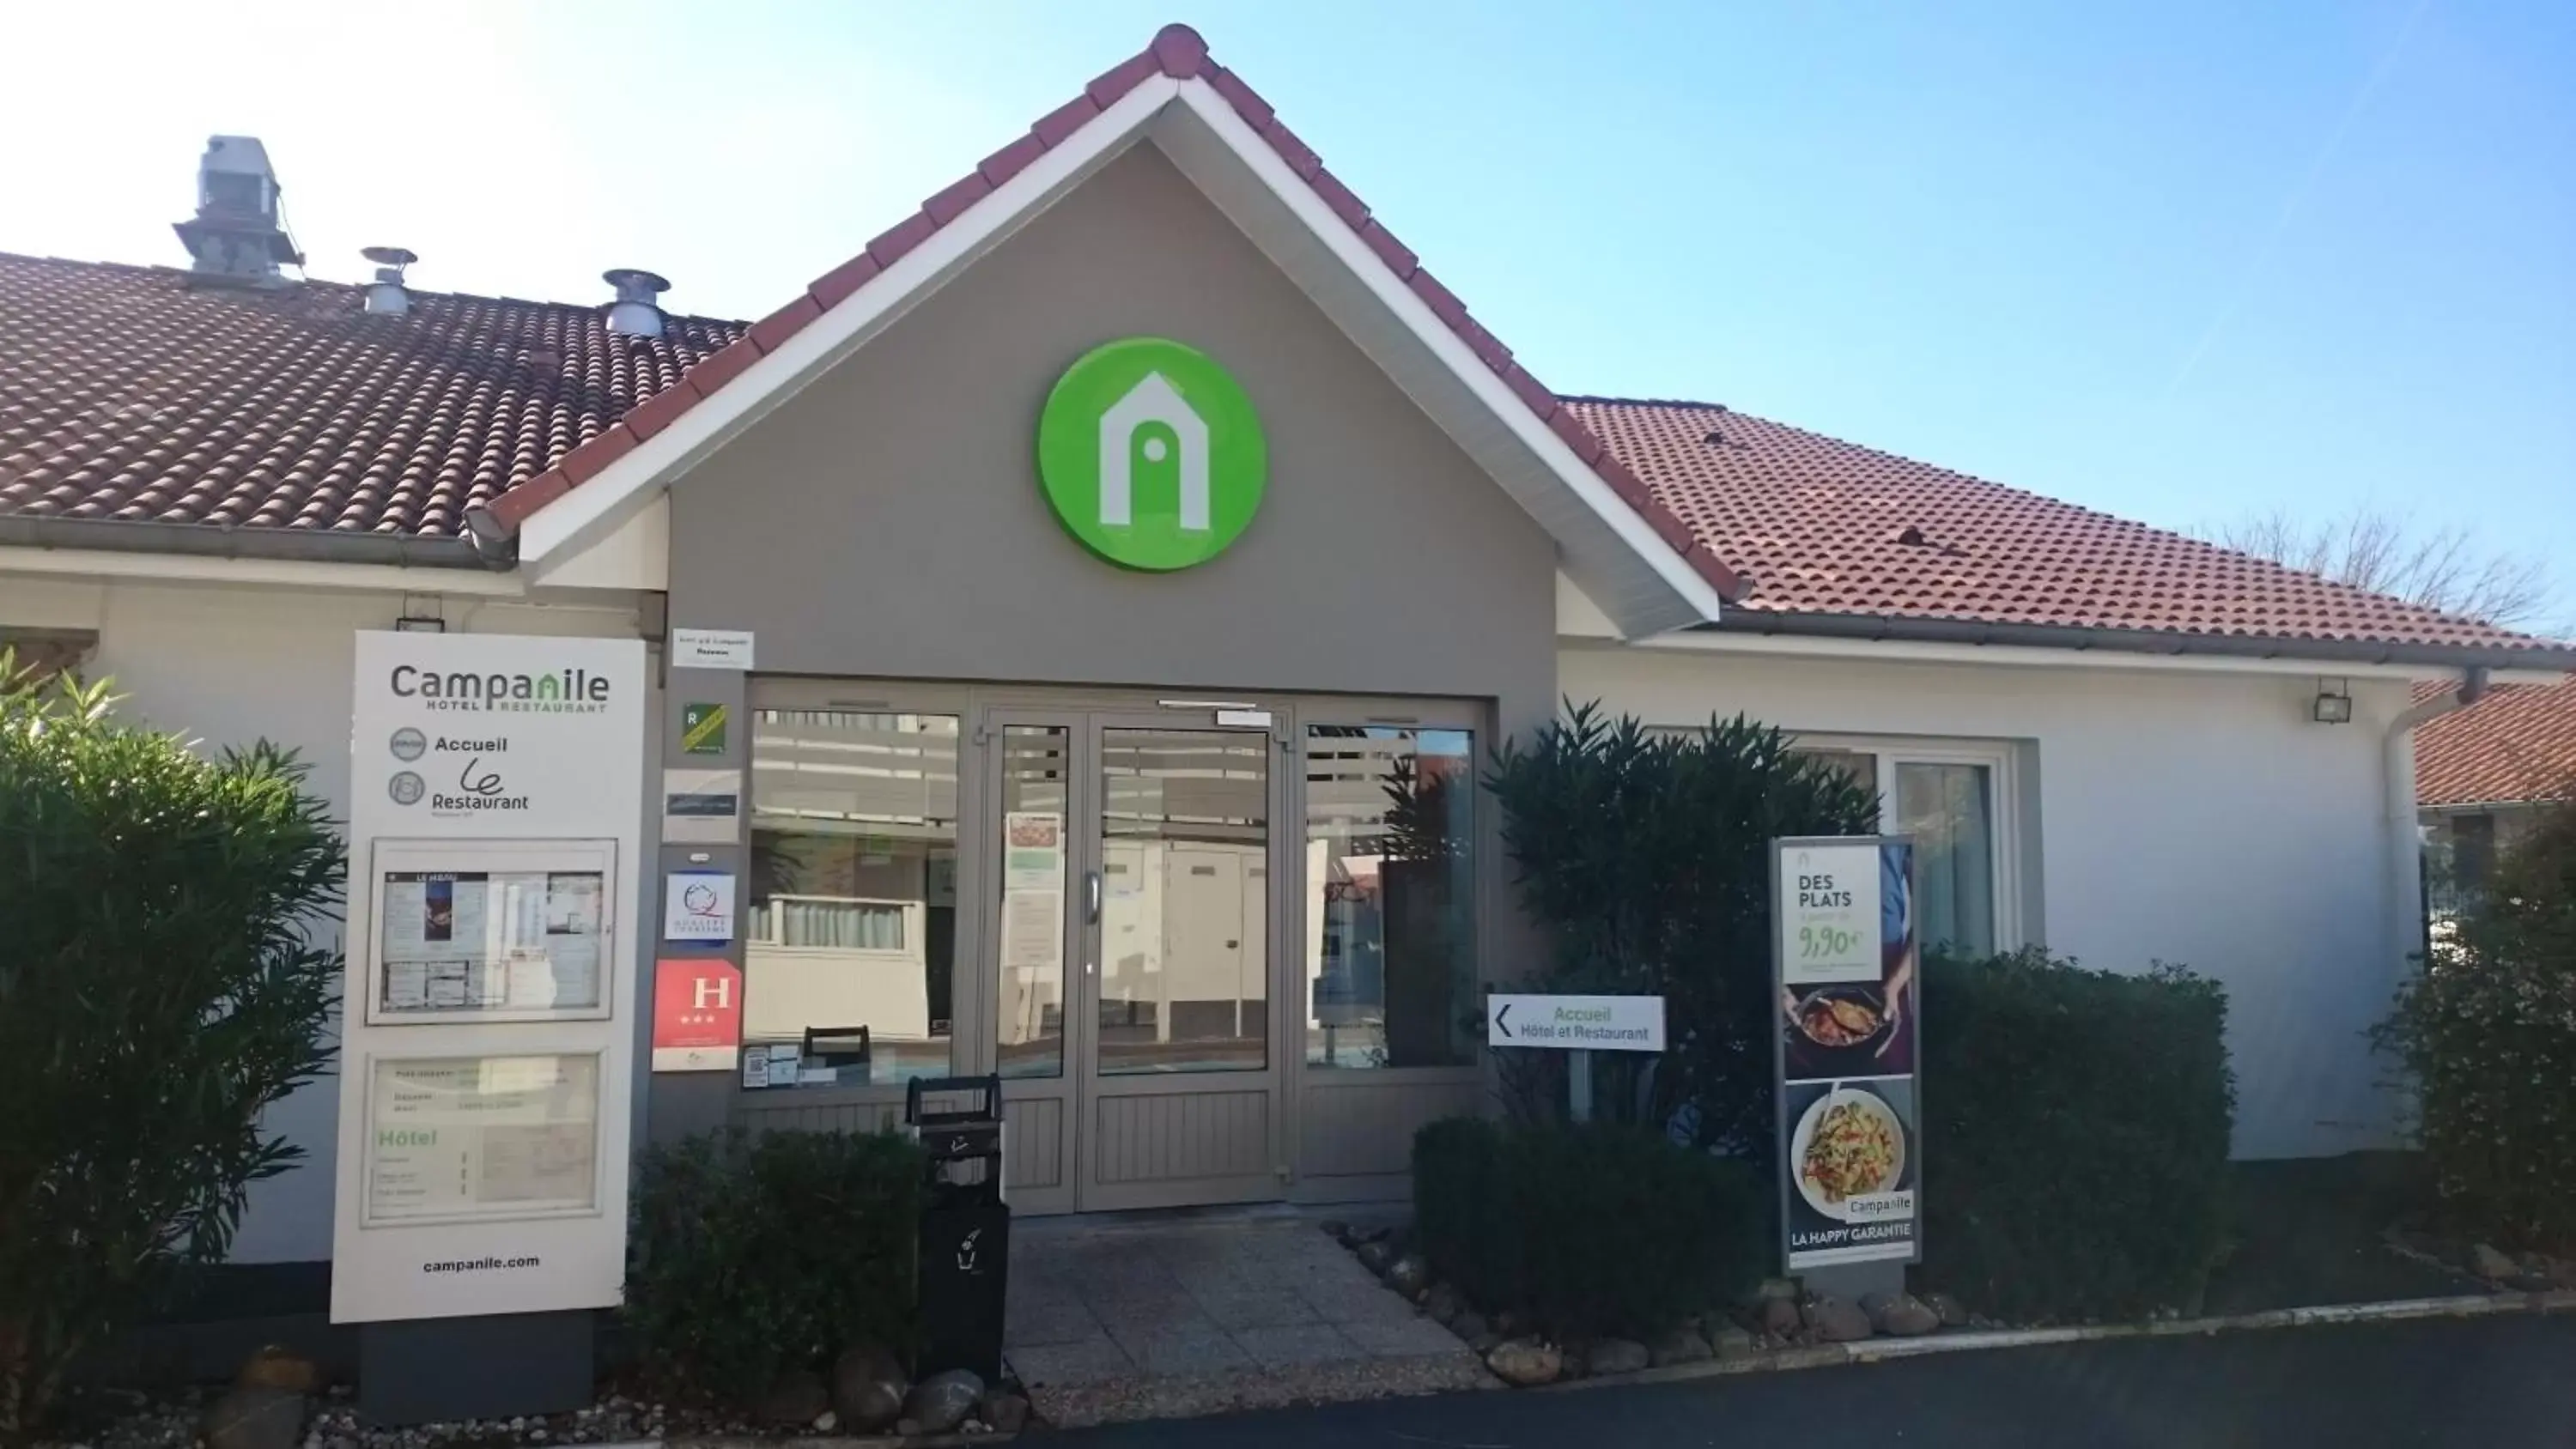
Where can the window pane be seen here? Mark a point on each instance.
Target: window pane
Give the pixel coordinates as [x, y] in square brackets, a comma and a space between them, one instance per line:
[852, 893]
[1948, 810]
[1185, 901]
[1037, 774]
[1863, 768]
[1390, 896]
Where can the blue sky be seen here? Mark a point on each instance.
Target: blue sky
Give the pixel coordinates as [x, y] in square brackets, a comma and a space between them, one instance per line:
[2176, 261]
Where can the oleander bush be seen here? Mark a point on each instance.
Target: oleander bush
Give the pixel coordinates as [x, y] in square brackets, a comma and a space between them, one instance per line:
[2487, 1036]
[160, 987]
[753, 1255]
[1594, 1229]
[2075, 1136]
[1646, 855]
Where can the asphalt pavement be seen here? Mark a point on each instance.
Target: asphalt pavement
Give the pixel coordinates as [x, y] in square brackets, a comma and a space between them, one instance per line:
[2481, 1381]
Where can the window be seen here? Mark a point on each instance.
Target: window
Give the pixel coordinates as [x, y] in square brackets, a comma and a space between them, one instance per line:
[1949, 798]
[1390, 896]
[851, 915]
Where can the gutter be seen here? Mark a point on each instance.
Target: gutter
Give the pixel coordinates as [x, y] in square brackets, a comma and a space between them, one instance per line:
[309, 545]
[1745, 620]
[2397, 782]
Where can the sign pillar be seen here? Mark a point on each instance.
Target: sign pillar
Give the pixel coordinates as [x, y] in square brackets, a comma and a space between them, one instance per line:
[488, 1016]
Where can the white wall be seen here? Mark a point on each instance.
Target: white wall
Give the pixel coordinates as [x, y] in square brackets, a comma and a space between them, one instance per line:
[232, 665]
[2185, 817]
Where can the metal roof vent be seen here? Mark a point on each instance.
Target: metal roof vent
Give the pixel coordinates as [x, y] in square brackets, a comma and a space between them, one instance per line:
[635, 313]
[385, 295]
[238, 233]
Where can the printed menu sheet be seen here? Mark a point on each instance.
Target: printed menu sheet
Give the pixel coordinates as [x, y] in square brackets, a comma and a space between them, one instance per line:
[502, 1136]
[478, 941]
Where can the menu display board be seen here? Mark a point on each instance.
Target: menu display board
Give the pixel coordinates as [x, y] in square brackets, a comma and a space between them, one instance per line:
[482, 1137]
[482, 941]
[1845, 960]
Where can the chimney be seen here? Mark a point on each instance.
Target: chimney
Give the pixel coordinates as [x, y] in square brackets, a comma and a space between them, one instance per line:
[385, 295]
[635, 313]
[236, 235]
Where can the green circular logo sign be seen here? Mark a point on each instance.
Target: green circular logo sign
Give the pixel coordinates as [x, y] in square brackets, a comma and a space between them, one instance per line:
[1150, 454]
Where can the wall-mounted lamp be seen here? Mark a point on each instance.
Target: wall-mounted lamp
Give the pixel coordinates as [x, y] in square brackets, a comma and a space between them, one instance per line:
[2333, 703]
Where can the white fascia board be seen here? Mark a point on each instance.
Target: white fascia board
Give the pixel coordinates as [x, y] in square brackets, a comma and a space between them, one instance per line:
[2009, 656]
[274, 573]
[587, 513]
[1698, 599]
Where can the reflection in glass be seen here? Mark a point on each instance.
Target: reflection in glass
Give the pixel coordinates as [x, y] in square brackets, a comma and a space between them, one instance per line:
[1037, 771]
[1184, 919]
[1390, 896]
[852, 889]
[1947, 809]
[1860, 766]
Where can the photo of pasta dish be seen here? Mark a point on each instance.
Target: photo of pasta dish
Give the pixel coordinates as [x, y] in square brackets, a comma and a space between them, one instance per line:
[1851, 1146]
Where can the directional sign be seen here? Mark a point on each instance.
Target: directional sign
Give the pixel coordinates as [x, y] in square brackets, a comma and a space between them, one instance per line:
[1576, 1023]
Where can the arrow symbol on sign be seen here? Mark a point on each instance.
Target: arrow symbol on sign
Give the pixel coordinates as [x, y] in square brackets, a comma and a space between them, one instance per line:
[1499, 1018]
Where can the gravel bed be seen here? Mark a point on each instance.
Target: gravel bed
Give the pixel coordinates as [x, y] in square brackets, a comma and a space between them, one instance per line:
[118, 1419]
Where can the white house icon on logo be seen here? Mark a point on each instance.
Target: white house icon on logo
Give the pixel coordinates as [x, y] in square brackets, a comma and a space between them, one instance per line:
[1153, 400]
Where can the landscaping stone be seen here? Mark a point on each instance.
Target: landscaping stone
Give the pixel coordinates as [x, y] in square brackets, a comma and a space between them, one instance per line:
[1484, 1343]
[792, 1400]
[1408, 1275]
[1337, 1230]
[1951, 1312]
[1780, 1317]
[1526, 1362]
[254, 1418]
[867, 1389]
[2487, 1261]
[1777, 1288]
[1469, 1325]
[824, 1423]
[942, 1401]
[1377, 1257]
[2529, 1283]
[1900, 1315]
[278, 1368]
[1376, 1234]
[1682, 1345]
[1835, 1320]
[1442, 1304]
[1615, 1356]
[1731, 1343]
[1004, 1411]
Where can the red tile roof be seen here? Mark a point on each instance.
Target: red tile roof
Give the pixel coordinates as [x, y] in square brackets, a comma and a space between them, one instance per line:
[1818, 526]
[132, 394]
[2518, 743]
[138, 394]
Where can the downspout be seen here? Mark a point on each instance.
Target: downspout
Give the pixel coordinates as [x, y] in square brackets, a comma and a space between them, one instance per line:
[2405, 852]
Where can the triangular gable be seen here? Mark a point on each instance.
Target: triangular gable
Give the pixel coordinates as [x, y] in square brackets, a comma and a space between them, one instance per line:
[1636, 560]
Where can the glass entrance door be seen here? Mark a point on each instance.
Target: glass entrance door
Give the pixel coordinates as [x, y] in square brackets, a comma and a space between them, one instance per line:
[1137, 949]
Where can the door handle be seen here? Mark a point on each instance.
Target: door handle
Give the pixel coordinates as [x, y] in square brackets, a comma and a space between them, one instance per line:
[1091, 897]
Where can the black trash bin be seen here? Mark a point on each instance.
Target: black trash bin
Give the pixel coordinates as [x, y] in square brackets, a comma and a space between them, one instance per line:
[965, 1262]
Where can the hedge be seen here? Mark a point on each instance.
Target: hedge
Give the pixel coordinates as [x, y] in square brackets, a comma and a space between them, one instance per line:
[755, 1255]
[2487, 1034]
[1593, 1229]
[2076, 1136]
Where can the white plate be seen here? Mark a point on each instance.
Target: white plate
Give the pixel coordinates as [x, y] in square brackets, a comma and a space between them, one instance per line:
[1869, 1102]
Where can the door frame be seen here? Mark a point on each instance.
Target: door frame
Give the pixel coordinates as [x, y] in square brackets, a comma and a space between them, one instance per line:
[1080, 1088]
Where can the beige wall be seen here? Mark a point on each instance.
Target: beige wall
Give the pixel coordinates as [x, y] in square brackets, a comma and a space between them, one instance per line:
[888, 522]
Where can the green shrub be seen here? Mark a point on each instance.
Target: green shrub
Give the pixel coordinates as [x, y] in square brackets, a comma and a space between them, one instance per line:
[1596, 1229]
[158, 990]
[752, 1255]
[1647, 855]
[2488, 1037]
[2076, 1136]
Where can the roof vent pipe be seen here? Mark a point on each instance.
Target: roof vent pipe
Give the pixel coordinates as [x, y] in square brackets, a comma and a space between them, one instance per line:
[635, 313]
[385, 295]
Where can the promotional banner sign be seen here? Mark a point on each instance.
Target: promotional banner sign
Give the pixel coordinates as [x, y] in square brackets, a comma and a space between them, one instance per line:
[1844, 965]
